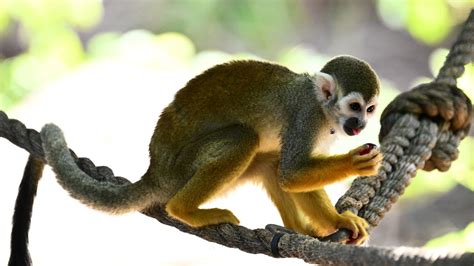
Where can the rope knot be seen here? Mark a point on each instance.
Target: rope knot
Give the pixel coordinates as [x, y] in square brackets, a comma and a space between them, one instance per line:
[446, 105]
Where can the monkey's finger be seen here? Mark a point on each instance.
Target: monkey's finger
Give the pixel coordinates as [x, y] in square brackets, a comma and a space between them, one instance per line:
[355, 230]
[368, 171]
[358, 150]
[361, 239]
[369, 163]
[367, 157]
[363, 149]
[350, 221]
[363, 234]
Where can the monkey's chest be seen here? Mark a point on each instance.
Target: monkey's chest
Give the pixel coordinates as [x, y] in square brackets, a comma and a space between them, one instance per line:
[269, 141]
[323, 144]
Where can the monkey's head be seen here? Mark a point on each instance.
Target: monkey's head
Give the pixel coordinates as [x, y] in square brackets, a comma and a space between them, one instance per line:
[348, 88]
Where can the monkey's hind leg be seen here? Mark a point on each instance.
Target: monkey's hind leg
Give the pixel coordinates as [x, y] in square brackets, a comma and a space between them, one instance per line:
[220, 157]
[292, 217]
[324, 218]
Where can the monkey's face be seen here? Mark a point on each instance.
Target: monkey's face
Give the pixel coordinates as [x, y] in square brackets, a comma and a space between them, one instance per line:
[354, 112]
[347, 100]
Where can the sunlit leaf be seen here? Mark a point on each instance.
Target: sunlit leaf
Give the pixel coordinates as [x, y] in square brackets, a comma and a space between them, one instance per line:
[84, 13]
[428, 20]
[36, 15]
[59, 43]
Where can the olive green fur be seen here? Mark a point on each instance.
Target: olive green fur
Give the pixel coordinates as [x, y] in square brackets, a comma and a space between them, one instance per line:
[353, 74]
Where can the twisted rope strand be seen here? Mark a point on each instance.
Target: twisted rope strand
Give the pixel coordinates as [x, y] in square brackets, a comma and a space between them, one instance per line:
[411, 142]
[461, 53]
[258, 240]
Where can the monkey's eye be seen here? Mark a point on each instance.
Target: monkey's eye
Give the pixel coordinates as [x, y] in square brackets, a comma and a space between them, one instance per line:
[355, 106]
[371, 109]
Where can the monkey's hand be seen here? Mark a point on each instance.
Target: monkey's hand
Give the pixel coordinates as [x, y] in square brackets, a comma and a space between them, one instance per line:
[356, 224]
[365, 164]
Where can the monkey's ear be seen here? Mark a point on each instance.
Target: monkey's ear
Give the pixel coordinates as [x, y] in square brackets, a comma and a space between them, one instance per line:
[325, 86]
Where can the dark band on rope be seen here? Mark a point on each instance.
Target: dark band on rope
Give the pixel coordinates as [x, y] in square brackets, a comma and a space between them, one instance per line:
[274, 245]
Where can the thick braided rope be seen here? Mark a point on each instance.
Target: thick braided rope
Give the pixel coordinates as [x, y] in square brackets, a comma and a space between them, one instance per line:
[413, 143]
[252, 241]
[405, 150]
[30, 140]
[460, 55]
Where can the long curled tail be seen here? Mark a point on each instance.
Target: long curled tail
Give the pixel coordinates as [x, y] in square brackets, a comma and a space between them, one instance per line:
[19, 254]
[103, 196]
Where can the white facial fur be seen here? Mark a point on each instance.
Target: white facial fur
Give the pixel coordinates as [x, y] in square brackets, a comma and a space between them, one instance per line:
[355, 97]
[364, 112]
[338, 107]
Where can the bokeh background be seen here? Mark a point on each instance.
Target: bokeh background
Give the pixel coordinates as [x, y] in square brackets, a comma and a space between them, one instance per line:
[104, 70]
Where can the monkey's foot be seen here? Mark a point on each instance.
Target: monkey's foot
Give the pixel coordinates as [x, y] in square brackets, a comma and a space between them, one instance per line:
[356, 224]
[203, 217]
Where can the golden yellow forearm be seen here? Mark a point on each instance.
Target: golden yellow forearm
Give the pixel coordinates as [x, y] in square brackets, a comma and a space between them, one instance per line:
[319, 172]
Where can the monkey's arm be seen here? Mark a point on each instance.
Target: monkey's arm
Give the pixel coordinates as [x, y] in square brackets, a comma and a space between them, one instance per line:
[302, 172]
[318, 172]
[304, 176]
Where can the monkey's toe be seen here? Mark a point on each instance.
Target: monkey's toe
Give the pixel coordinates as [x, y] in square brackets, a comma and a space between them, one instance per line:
[357, 225]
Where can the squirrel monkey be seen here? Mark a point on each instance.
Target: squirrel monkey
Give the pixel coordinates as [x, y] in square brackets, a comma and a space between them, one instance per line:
[241, 121]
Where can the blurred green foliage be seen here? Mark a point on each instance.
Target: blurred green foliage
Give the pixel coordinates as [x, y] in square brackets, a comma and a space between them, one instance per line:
[144, 48]
[48, 30]
[259, 23]
[428, 21]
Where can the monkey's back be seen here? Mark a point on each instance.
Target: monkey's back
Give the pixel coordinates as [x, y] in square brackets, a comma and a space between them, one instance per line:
[247, 92]
[251, 93]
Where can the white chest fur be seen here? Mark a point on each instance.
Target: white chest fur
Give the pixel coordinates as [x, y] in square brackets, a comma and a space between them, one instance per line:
[269, 140]
[324, 142]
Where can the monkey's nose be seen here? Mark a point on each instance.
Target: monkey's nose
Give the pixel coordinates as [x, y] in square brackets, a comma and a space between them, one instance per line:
[355, 122]
[353, 126]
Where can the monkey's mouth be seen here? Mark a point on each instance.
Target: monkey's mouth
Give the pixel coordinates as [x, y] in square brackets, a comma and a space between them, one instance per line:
[352, 131]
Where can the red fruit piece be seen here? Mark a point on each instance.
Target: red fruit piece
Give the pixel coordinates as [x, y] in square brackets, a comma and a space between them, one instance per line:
[369, 147]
